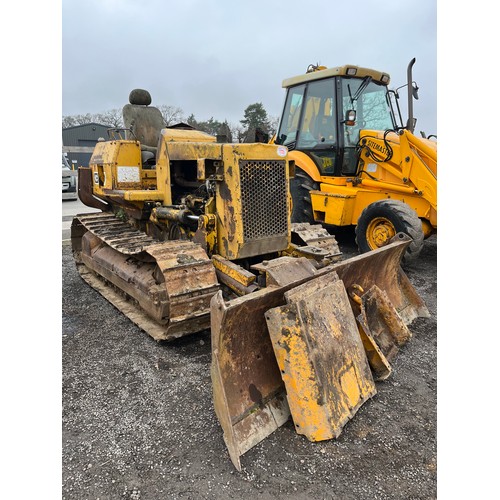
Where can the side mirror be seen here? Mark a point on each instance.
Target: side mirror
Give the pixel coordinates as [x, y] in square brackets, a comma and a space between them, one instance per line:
[350, 117]
[414, 91]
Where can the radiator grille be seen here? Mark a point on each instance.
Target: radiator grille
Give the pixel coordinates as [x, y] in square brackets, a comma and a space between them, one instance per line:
[264, 199]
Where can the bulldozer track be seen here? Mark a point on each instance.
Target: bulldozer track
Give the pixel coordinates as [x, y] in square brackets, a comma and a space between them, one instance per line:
[116, 233]
[163, 287]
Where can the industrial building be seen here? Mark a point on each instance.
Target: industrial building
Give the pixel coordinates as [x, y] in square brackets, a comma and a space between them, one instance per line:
[79, 142]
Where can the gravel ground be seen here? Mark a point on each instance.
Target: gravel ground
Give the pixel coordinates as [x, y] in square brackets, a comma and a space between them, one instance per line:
[138, 420]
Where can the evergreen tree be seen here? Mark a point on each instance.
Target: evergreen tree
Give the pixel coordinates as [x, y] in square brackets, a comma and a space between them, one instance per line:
[255, 116]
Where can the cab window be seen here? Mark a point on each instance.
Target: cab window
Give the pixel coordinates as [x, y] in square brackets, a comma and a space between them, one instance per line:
[289, 125]
[318, 128]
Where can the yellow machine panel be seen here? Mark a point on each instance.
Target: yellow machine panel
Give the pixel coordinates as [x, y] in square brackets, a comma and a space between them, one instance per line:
[321, 357]
[116, 165]
[247, 225]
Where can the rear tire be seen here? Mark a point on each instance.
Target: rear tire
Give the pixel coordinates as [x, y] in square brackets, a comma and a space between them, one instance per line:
[300, 186]
[382, 220]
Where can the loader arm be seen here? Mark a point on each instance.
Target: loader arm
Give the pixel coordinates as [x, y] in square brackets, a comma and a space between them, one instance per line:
[410, 166]
[419, 165]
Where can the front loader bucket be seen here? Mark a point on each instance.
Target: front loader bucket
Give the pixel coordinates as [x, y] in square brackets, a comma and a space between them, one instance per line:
[248, 389]
[321, 357]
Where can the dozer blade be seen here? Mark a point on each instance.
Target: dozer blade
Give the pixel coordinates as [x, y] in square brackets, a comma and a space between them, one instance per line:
[382, 267]
[381, 329]
[248, 390]
[321, 357]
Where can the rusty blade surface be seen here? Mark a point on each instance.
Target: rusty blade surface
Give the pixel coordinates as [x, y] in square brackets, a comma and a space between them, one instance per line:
[248, 392]
[382, 267]
[321, 357]
[85, 190]
[381, 368]
[382, 323]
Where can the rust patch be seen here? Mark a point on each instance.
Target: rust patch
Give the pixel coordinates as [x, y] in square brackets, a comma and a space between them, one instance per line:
[185, 259]
[255, 394]
[225, 192]
[232, 223]
[225, 244]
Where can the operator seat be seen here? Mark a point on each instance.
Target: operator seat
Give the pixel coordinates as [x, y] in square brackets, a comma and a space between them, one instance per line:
[326, 129]
[144, 120]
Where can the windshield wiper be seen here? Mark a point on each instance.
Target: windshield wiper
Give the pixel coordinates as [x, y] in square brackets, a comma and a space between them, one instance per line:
[366, 81]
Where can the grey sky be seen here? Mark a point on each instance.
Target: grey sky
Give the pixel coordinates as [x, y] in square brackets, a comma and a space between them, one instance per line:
[213, 58]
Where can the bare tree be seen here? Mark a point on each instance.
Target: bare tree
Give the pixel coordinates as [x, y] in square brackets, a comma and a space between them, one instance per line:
[112, 117]
[84, 119]
[238, 133]
[273, 124]
[73, 121]
[68, 121]
[171, 114]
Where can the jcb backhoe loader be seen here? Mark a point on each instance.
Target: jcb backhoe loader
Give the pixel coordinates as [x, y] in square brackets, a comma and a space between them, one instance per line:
[356, 164]
[195, 234]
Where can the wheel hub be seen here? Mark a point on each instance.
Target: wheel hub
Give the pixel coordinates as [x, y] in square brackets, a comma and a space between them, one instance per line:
[379, 232]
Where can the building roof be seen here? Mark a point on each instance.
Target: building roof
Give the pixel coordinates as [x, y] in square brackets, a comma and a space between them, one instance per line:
[87, 125]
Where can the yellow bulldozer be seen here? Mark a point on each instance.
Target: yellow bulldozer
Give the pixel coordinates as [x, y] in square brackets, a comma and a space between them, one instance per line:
[356, 164]
[195, 234]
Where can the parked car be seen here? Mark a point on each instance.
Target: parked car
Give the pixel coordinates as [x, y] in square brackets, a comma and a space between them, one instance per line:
[69, 181]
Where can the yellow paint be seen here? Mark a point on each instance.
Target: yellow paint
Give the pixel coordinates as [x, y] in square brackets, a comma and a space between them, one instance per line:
[254, 164]
[233, 227]
[236, 273]
[409, 176]
[306, 164]
[379, 231]
[337, 208]
[350, 387]
[337, 71]
[302, 393]
[321, 357]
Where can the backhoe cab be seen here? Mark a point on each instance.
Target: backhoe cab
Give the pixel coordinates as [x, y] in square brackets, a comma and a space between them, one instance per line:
[356, 164]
